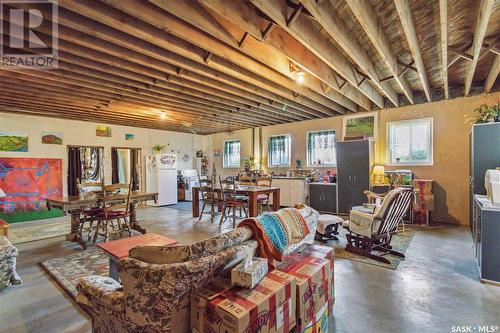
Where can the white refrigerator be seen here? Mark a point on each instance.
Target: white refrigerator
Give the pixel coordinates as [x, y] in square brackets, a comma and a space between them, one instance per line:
[161, 177]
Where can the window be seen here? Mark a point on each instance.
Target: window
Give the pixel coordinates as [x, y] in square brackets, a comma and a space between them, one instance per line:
[410, 142]
[279, 150]
[321, 148]
[231, 154]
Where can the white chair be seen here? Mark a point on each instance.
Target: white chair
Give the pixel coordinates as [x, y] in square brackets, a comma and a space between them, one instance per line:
[368, 232]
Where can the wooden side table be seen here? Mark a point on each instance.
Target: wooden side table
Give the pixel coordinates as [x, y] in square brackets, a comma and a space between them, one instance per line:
[118, 249]
[4, 226]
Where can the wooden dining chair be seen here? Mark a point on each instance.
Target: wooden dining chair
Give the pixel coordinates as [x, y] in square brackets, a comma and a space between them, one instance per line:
[208, 196]
[116, 210]
[232, 201]
[89, 214]
[263, 199]
[246, 180]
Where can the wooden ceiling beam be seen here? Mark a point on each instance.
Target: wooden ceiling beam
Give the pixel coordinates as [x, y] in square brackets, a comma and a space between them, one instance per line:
[368, 20]
[483, 16]
[311, 37]
[406, 18]
[142, 52]
[443, 24]
[145, 101]
[244, 15]
[131, 17]
[492, 75]
[329, 19]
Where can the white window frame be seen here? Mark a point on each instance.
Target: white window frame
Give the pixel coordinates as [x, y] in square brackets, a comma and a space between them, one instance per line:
[224, 162]
[289, 149]
[308, 163]
[428, 162]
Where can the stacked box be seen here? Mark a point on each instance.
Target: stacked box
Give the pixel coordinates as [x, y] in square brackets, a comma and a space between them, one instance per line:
[313, 268]
[424, 186]
[268, 307]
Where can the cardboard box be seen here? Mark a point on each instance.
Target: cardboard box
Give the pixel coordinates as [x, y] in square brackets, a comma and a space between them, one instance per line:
[319, 324]
[249, 277]
[268, 307]
[312, 266]
[423, 185]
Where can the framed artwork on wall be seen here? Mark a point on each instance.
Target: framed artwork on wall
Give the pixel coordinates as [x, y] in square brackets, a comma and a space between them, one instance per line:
[129, 137]
[360, 126]
[52, 138]
[104, 131]
[13, 142]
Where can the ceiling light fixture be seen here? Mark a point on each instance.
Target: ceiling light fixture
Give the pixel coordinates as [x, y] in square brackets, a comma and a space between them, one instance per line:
[163, 116]
[297, 73]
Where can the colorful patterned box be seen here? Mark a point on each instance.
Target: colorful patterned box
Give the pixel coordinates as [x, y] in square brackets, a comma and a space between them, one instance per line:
[268, 307]
[423, 185]
[312, 266]
[250, 276]
[319, 324]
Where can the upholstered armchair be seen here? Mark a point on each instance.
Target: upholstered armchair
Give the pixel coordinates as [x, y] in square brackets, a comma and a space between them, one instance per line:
[368, 232]
[8, 254]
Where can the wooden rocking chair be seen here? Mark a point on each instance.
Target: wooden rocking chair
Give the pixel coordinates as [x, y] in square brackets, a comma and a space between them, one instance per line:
[369, 232]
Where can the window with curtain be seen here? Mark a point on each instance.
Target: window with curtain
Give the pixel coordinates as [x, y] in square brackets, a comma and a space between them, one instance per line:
[321, 148]
[279, 150]
[410, 142]
[231, 154]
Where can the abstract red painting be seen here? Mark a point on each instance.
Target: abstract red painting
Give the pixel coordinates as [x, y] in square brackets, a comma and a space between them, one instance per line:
[26, 182]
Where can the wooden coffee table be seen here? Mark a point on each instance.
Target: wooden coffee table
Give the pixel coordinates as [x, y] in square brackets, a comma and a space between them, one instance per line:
[118, 249]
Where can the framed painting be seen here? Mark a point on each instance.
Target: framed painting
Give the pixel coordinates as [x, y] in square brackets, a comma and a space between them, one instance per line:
[360, 126]
[13, 142]
[129, 137]
[104, 131]
[52, 138]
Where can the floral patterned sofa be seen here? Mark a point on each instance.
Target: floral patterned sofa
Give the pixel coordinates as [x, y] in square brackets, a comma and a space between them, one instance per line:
[157, 279]
[8, 254]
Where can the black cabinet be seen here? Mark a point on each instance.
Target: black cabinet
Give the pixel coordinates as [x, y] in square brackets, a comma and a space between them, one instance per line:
[354, 163]
[484, 155]
[323, 197]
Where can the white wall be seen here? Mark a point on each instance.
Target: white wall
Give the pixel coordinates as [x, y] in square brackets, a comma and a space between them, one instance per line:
[83, 133]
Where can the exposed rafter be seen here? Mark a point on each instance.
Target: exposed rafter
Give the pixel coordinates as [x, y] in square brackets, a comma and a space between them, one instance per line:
[406, 18]
[493, 74]
[364, 14]
[483, 16]
[310, 36]
[336, 28]
[443, 23]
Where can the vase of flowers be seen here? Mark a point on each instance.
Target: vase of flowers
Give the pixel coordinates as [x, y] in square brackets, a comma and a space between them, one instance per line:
[488, 113]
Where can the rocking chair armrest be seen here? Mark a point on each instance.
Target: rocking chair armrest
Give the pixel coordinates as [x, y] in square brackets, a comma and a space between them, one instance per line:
[360, 218]
[373, 195]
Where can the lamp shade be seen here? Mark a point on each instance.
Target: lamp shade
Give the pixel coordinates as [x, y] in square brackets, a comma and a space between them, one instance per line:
[378, 170]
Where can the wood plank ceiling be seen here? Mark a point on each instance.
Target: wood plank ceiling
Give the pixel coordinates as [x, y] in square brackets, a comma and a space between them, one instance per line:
[207, 66]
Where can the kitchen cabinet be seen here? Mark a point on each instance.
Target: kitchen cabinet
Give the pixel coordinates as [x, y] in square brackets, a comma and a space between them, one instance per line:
[323, 197]
[292, 190]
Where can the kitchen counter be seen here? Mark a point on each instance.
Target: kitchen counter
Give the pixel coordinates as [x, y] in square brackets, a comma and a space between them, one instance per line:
[285, 177]
[326, 184]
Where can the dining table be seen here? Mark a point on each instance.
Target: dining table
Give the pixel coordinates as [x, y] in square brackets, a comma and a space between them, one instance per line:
[74, 205]
[251, 191]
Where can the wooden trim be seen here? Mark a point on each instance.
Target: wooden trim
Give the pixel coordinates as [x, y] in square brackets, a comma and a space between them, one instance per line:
[443, 23]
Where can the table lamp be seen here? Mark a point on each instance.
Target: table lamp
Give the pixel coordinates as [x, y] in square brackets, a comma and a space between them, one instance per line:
[378, 171]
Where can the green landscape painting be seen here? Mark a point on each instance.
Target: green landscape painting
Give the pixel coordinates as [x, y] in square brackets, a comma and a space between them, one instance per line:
[13, 142]
[360, 126]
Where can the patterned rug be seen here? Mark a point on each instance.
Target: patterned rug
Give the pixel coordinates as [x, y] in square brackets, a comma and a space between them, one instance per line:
[67, 270]
[38, 230]
[400, 243]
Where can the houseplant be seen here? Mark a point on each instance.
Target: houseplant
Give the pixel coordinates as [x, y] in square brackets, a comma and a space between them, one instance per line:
[158, 149]
[488, 113]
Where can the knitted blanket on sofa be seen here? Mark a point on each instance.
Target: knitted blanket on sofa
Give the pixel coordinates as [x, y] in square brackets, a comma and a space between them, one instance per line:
[275, 231]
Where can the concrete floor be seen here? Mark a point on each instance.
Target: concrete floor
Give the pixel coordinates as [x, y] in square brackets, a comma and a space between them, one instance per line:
[435, 288]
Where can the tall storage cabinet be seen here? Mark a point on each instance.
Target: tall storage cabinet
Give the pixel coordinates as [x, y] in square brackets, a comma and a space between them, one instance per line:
[354, 163]
[484, 155]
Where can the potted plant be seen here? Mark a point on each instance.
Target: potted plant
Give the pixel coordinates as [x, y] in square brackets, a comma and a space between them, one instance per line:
[488, 114]
[158, 149]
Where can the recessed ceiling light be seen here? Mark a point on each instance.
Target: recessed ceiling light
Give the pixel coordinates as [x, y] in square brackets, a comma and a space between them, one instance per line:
[163, 116]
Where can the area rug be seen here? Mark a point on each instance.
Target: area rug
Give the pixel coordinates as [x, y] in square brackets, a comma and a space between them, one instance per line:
[33, 231]
[400, 243]
[67, 270]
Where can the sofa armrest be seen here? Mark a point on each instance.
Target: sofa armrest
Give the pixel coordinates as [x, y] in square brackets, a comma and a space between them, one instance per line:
[100, 290]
